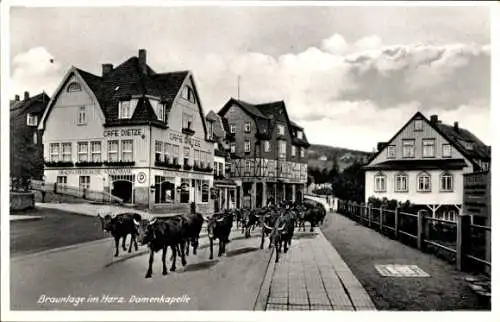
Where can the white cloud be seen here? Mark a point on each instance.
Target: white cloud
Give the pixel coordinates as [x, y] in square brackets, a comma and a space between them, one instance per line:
[369, 43]
[35, 70]
[336, 44]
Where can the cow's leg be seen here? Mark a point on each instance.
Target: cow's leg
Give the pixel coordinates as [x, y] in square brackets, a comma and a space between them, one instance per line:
[131, 242]
[277, 250]
[221, 242]
[150, 266]
[285, 246]
[117, 243]
[123, 243]
[135, 243]
[312, 226]
[183, 257]
[211, 248]
[188, 243]
[195, 245]
[174, 250]
[163, 256]
[262, 239]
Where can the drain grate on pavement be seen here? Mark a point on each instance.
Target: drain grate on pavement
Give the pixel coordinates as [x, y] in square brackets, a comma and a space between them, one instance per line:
[396, 270]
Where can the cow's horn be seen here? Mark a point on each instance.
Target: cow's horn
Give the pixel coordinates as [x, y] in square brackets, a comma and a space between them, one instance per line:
[205, 218]
[136, 223]
[219, 220]
[152, 221]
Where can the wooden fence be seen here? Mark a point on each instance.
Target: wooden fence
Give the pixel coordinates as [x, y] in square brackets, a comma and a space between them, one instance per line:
[461, 242]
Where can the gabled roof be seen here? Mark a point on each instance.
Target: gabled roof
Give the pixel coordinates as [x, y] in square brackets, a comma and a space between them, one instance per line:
[24, 106]
[127, 80]
[480, 150]
[426, 164]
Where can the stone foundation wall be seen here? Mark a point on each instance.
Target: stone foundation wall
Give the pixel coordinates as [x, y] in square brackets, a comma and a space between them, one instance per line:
[21, 201]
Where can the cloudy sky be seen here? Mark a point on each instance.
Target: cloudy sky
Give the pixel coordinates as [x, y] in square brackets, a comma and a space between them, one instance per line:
[351, 76]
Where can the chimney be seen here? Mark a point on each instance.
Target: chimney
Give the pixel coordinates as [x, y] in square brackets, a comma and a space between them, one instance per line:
[26, 95]
[106, 68]
[434, 119]
[16, 98]
[380, 145]
[455, 126]
[142, 61]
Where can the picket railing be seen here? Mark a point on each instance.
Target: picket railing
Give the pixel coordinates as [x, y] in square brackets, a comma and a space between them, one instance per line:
[79, 192]
[462, 242]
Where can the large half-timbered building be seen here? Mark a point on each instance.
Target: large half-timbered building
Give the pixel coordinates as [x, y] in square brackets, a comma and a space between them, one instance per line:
[268, 152]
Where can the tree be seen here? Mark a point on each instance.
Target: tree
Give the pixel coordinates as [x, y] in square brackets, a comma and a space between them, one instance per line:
[21, 164]
[350, 184]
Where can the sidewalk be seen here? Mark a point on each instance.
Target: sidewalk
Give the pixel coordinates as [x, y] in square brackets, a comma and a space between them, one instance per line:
[311, 276]
[363, 248]
[89, 209]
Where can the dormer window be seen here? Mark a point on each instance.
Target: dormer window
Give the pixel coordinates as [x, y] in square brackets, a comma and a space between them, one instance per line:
[419, 125]
[32, 119]
[188, 94]
[210, 129]
[467, 145]
[247, 127]
[281, 129]
[74, 87]
[299, 134]
[124, 111]
[161, 111]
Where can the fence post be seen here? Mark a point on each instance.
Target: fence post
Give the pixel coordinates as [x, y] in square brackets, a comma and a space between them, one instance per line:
[396, 222]
[421, 229]
[381, 219]
[463, 234]
[55, 187]
[369, 215]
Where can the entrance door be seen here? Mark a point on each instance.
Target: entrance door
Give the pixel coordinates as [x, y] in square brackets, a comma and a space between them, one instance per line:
[122, 189]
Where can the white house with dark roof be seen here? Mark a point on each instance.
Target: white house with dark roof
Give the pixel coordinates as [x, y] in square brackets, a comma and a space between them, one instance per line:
[424, 162]
[133, 131]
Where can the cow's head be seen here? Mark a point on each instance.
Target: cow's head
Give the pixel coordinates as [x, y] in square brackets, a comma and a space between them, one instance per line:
[212, 222]
[146, 231]
[106, 222]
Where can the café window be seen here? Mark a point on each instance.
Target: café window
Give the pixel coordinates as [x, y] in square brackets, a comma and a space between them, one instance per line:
[83, 151]
[84, 182]
[54, 152]
[158, 151]
[184, 191]
[127, 150]
[204, 191]
[113, 151]
[164, 190]
[95, 148]
[66, 152]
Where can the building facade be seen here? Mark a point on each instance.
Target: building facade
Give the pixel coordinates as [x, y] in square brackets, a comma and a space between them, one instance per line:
[137, 133]
[268, 152]
[425, 163]
[26, 156]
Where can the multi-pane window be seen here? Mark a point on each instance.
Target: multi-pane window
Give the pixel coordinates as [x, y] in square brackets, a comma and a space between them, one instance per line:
[113, 151]
[127, 150]
[419, 125]
[247, 127]
[62, 179]
[380, 183]
[391, 152]
[302, 152]
[54, 152]
[204, 191]
[247, 146]
[210, 129]
[175, 151]
[429, 148]
[158, 151]
[124, 112]
[267, 146]
[186, 155]
[233, 147]
[32, 119]
[83, 151]
[248, 166]
[282, 149]
[232, 128]
[401, 183]
[424, 182]
[293, 150]
[221, 168]
[446, 151]
[95, 150]
[84, 182]
[408, 148]
[446, 182]
[66, 152]
[281, 129]
[299, 134]
[187, 121]
[184, 190]
[168, 152]
[196, 156]
[82, 115]
[161, 111]
[74, 87]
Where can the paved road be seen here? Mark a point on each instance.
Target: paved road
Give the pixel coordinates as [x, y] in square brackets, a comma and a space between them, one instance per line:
[231, 282]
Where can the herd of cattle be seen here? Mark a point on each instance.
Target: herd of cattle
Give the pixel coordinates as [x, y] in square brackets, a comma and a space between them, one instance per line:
[180, 232]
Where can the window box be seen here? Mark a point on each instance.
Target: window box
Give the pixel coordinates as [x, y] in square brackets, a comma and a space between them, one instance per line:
[187, 166]
[159, 163]
[59, 163]
[208, 169]
[197, 167]
[88, 164]
[187, 131]
[119, 163]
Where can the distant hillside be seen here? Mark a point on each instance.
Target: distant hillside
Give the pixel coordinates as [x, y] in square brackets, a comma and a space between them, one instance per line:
[322, 156]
